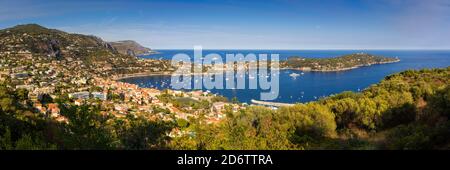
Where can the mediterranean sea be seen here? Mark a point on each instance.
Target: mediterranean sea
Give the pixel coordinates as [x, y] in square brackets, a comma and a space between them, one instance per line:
[310, 86]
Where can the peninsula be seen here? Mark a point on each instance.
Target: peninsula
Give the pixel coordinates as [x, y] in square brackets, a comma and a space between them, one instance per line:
[342, 63]
[132, 48]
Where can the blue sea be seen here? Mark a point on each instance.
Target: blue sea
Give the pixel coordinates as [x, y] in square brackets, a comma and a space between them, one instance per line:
[311, 86]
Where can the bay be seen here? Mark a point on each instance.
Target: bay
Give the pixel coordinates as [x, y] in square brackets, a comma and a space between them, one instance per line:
[311, 86]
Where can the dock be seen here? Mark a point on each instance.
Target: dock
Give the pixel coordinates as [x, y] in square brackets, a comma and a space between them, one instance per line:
[272, 104]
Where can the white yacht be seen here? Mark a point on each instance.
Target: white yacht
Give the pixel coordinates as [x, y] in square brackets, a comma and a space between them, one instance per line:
[294, 75]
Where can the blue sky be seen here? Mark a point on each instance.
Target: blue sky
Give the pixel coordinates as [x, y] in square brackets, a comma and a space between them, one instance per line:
[246, 24]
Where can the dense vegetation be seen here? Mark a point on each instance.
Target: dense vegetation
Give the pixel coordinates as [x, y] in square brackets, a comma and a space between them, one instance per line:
[335, 63]
[22, 128]
[408, 110]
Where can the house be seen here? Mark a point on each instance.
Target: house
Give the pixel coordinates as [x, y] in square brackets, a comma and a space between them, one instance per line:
[37, 105]
[53, 109]
[78, 102]
[42, 110]
[198, 93]
[27, 87]
[218, 106]
[176, 92]
[80, 95]
[121, 108]
[99, 95]
[212, 120]
[20, 75]
[305, 68]
[153, 92]
[81, 81]
[62, 119]
[44, 90]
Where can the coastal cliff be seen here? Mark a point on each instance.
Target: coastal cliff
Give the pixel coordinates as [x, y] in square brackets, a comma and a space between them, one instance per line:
[132, 48]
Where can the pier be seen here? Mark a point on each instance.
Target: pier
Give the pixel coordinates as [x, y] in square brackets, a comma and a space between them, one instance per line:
[273, 104]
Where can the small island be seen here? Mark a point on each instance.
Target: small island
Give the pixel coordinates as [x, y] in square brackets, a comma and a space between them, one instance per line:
[342, 63]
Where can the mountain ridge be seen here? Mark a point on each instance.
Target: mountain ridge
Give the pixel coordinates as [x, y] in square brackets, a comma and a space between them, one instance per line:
[92, 53]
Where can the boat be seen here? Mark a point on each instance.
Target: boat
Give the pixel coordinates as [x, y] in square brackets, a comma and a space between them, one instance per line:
[294, 75]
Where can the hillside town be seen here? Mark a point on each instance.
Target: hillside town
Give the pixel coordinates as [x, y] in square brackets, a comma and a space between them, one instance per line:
[76, 70]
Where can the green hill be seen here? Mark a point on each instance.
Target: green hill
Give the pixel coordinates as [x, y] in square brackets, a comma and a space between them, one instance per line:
[81, 53]
[407, 110]
[341, 63]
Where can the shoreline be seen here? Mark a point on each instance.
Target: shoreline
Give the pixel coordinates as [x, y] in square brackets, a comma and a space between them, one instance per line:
[149, 74]
[167, 73]
[346, 68]
[145, 74]
[148, 53]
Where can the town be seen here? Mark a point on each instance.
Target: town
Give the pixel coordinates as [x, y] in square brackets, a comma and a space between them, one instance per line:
[78, 70]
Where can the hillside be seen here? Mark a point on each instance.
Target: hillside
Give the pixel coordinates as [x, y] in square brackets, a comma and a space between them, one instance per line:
[129, 47]
[56, 92]
[407, 110]
[340, 63]
[81, 53]
[38, 40]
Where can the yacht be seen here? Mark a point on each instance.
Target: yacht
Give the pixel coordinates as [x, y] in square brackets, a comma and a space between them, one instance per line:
[294, 75]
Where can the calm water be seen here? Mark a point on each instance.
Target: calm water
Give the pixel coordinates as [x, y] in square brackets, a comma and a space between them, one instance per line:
[313, 85]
